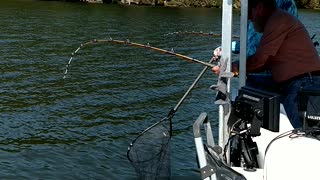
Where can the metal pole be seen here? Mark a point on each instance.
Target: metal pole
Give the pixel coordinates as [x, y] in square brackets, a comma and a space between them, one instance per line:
[226, 56]
[243, 43]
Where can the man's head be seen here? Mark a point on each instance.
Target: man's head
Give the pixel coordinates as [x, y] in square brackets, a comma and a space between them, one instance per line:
[259, 12]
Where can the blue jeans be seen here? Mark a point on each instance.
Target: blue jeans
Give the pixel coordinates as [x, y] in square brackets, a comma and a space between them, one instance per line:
[289, 97]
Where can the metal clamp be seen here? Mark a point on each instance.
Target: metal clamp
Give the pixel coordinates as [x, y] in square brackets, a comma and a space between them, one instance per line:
[207, 171]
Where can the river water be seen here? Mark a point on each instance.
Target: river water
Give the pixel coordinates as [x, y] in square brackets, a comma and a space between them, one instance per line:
[80, 127]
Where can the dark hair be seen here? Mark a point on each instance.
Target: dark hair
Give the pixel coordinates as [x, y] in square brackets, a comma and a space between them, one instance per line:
[254, 3]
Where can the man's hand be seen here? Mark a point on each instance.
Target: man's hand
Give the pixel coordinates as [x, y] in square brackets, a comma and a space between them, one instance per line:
[234, 68]
[216, 69]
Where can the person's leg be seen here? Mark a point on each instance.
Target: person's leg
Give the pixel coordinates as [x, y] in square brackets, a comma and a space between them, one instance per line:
[289, 99]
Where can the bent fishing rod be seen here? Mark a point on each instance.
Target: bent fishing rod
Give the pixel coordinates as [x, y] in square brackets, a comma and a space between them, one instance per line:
[171, 52]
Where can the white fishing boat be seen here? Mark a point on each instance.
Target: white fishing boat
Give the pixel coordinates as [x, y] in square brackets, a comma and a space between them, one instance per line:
[256, 139]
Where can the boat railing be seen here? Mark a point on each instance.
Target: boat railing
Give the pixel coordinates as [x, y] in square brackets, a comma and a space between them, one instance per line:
[209, 157]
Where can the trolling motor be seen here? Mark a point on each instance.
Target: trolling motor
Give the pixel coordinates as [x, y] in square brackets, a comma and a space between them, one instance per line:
[251, 110]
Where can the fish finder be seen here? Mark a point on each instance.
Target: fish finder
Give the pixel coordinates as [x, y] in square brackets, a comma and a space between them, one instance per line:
[258, 108]
[309, 108]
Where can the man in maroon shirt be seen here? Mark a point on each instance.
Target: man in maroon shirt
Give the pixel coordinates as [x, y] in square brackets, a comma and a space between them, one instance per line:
[286, 50]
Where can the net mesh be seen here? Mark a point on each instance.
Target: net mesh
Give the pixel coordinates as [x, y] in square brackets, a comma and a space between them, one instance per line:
[149, 153]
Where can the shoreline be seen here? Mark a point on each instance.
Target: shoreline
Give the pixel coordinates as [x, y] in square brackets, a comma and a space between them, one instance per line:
[181, 4]
[187, 3]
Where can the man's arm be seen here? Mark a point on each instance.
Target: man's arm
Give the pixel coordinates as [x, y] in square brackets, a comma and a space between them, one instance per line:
[252, 66]
[256, 63]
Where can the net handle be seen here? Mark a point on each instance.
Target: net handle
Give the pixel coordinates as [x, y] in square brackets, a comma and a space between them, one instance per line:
[190, 88]
[174, 110]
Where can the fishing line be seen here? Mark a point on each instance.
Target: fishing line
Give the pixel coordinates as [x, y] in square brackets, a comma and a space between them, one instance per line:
[171, 52]
[198, 33]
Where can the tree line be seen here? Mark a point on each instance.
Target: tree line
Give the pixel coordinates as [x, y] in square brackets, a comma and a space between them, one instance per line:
[301, 4]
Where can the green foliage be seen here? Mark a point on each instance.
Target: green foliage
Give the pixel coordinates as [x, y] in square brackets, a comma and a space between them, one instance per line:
[307, 3]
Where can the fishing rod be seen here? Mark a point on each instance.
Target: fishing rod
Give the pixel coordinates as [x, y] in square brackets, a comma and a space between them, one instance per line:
[171, 52]
[199, 33]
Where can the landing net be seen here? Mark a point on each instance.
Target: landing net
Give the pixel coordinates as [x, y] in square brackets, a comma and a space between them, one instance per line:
[149, 153]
